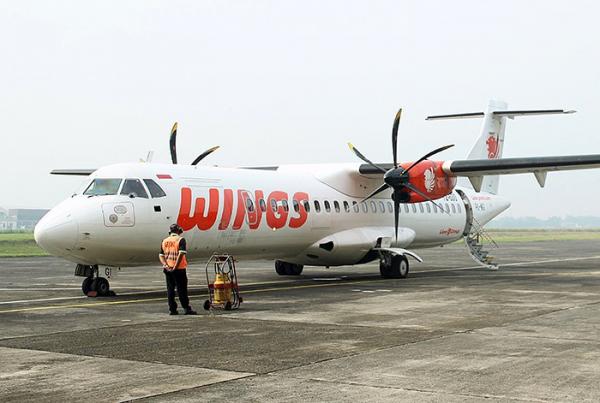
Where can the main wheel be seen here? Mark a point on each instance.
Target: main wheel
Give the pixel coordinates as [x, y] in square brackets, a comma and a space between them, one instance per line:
[294, 269]
[86, 286]
[101, 286]
[393, 266]
[280, 267]
[403, 267]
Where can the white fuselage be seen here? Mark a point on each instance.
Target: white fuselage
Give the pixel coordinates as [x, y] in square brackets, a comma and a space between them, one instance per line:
[224, 213]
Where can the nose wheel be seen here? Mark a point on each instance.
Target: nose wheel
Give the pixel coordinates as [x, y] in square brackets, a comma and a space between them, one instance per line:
[93, 285]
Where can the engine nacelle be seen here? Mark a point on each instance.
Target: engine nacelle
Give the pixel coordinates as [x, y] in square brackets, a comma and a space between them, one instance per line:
[429, 178]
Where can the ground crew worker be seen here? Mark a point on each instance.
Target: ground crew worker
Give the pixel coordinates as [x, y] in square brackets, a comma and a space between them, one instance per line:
[172, 257]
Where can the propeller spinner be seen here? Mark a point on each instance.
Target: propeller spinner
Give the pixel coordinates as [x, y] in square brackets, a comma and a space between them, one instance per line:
[397, 177]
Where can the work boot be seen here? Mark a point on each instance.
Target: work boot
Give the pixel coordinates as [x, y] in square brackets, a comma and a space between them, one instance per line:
[173, 313]
[190, 311]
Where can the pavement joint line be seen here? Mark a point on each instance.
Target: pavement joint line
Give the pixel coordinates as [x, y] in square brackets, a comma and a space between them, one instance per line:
[251, 375]
[440, 392]
[327, 284]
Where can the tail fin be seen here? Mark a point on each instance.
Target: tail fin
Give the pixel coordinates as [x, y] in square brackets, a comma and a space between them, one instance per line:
[490, 143]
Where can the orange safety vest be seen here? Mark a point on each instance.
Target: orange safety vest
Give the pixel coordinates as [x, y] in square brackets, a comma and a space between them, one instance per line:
[170, 247]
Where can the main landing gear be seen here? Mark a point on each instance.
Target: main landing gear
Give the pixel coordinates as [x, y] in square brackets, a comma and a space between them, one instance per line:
[93, 285]
[288, 269]
[393, 266]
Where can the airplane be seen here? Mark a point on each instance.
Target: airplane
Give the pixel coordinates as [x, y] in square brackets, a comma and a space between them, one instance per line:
[298, 215]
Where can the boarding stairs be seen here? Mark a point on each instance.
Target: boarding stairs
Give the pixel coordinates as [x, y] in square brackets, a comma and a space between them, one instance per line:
[478, 241]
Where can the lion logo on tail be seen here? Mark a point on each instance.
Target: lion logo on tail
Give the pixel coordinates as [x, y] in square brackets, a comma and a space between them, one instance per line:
[493, 147]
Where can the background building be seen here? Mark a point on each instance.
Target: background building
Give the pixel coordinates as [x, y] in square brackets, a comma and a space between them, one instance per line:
[20, 219]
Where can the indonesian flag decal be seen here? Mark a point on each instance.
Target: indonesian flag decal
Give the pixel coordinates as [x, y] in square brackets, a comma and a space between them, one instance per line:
[492, 146]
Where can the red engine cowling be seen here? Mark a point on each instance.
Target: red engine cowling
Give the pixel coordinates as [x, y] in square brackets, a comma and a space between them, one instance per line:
[430, 179]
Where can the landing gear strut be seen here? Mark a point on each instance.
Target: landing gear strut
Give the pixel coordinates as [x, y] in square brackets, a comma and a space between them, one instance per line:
[93, 285]
[393, 266]
[288, 269]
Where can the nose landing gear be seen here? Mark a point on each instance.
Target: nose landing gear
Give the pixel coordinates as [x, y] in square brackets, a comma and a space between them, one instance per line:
[93, 285]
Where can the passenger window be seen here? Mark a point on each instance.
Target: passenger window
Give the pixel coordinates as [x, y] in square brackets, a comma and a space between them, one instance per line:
[421, 209]
[435, 209]
[306, 205]
[250, 205]
[273, 205]
[390, 207]
[103, 187]
[263, 205]
[317, 206]
[296, 205]
[327, 206]
[346, 207]
[381, 207]
[336, 206]
[365, 208]
[428, 208]
[373, 207]
[453, 208]
[133, 187]
[155, 190]
[355, 206]
[447, 207]
[285, 205]
[459, 208]
[406, 208]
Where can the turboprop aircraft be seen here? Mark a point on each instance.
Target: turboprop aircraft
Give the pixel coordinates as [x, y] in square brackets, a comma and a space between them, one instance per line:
[314, 215]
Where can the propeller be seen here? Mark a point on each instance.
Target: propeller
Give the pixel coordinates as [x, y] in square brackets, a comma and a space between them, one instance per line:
[397, 177]
[173, 143]
[173, 148]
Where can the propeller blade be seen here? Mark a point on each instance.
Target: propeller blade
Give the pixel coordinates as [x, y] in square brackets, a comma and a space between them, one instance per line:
[396, 199]
[172, 143]
[423, 195]
[423, 158]
[204, 154]
[365, 159]
[395, 137]
[376, 191]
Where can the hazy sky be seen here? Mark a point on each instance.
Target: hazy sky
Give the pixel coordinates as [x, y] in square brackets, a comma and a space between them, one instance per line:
[85, 84]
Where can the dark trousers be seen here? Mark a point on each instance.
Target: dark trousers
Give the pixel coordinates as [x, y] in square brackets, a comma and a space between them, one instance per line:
[177, 278]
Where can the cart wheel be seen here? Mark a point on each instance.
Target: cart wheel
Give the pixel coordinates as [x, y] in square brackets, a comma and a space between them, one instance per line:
[228, 306]
[206, 305]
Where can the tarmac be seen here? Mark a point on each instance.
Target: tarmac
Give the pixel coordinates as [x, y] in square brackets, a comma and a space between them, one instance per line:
[452, 331]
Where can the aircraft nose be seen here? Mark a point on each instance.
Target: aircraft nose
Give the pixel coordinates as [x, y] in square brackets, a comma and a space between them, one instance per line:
[55, 234]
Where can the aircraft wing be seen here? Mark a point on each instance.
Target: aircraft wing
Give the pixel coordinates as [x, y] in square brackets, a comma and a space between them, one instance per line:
[73, 172]
[475, 170]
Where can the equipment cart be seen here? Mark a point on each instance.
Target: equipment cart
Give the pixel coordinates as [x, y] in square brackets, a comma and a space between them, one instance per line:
[223, 288]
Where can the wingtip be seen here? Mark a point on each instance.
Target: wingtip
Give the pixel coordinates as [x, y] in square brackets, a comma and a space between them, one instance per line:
[174, 129]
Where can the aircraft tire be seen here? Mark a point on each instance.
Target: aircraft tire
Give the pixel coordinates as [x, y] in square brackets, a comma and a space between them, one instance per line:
[101, 286]
[393, 267]
[281, 267]
[294, 269]
[86, 285]
[288, 269]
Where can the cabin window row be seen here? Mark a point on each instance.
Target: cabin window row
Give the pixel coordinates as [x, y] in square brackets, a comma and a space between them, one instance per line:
[355, 206]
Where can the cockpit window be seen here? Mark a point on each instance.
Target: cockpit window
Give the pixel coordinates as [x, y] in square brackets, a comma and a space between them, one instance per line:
[103, 187]
[134, 187]
[155, 190]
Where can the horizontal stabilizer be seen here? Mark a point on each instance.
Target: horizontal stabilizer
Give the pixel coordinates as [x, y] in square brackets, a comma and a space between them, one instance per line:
[508, 114]
[73, 172]
[507, 166]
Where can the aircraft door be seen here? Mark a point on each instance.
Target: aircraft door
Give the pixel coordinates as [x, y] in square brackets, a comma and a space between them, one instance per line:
[468, 210]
